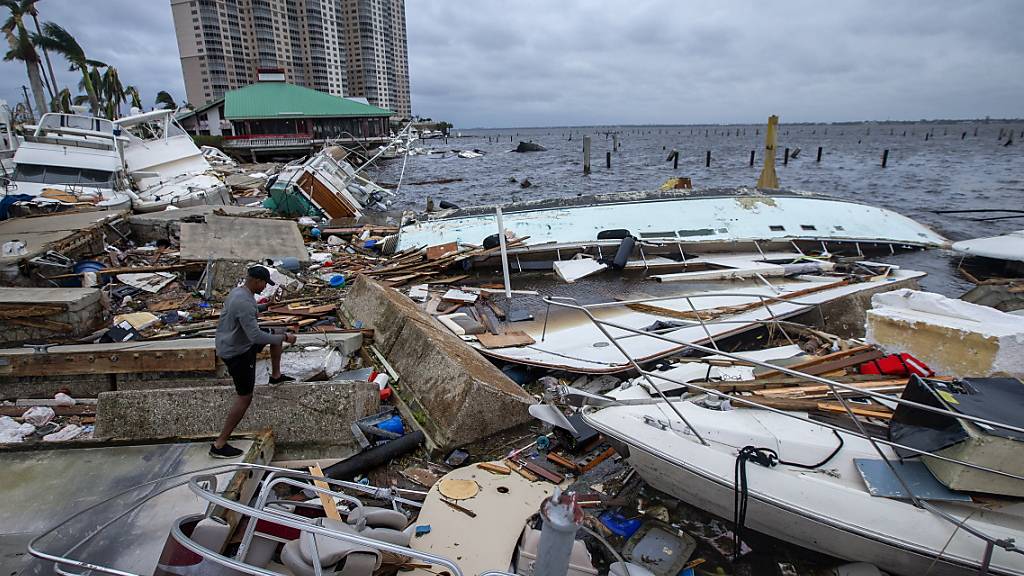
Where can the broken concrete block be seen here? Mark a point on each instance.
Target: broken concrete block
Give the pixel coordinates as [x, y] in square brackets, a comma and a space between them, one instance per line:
[48, 314]
[456, 394]
[229, 239]
[952, 337]
[309, 420]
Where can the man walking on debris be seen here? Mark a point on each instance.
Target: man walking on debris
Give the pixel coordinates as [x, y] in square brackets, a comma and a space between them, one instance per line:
[239, 340]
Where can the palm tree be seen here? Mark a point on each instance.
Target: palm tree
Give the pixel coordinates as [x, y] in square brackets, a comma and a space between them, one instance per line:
[113, 92]
[59, 40]
[133, 93]
[62, 102]
[20, 41]
[165, 100]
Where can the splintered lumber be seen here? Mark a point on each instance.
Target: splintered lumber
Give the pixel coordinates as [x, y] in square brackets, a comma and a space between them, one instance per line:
[588, 466]
[196, 355]
[304, 311]
[829, 360]
[824, 390]
[752, 385]
[134, 269]
[522, 471]
[715, 313]
[869, 412]
[793, 404]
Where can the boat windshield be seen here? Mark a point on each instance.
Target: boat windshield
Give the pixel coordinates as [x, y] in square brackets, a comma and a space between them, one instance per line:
[63, 175]
[154, 130]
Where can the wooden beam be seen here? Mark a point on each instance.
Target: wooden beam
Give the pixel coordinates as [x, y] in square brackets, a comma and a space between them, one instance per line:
[119, 358]
[330, 506]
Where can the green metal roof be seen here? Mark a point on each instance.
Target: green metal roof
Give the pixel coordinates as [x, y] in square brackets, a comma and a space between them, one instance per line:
[282, 100]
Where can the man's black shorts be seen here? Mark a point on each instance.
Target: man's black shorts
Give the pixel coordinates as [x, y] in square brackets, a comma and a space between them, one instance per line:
[243, 369]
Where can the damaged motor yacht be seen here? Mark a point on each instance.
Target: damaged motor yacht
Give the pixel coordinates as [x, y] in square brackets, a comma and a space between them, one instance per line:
[166, 165]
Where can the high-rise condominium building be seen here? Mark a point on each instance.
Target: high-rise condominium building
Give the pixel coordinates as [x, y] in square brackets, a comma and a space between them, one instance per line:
[353, 48]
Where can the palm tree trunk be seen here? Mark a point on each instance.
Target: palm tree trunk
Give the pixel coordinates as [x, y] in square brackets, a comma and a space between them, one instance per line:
[46, 55]
[36, 81]
[90, 90]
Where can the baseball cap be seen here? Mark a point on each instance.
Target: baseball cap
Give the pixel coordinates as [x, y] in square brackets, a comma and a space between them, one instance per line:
[261, 273]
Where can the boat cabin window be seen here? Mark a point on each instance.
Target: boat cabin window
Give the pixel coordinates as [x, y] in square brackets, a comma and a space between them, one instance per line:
[777, 228]
[807, 227]
[63, 175]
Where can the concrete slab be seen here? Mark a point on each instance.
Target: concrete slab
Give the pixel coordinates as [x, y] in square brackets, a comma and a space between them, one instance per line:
[166, 224]
[242, 240]
[42, 314]
[43, 487]
[457, 395]
[309, 420]
[52, 232]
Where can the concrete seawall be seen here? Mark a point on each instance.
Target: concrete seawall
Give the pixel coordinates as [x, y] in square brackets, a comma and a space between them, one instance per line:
[454, 392]
[309, 420]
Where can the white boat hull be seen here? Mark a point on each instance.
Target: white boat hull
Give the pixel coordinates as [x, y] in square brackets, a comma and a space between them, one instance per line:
[707, 216]
[834, 515]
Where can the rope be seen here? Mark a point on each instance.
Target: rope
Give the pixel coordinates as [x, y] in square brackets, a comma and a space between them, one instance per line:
[769, 459]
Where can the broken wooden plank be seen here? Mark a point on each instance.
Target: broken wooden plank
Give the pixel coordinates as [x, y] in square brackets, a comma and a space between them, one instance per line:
[869, 412]
[494, 468]
[505, 340]
[805, 365]
[330, 506]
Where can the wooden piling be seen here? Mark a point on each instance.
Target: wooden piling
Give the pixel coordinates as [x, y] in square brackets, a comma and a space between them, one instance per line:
[675, 159]
[964, 135]
[819, 155]
[707, 159]
[615, 142]
[607, 159]
[751, 157]
[586, 155]
[785, 157]
[885, 157]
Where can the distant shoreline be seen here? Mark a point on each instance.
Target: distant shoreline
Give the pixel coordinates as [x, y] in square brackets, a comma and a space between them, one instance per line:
[948, 121]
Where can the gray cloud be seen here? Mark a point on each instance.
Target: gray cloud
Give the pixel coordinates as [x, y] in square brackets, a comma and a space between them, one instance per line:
[536, 62]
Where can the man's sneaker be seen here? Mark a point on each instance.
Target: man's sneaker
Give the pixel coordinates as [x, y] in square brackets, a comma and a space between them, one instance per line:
[280, 380]
[225, 451]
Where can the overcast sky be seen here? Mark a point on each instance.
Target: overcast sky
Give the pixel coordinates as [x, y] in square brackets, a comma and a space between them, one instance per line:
[574, 62]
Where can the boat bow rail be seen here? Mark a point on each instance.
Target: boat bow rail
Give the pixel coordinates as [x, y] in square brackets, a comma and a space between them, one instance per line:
[203, 483]
[835, 389]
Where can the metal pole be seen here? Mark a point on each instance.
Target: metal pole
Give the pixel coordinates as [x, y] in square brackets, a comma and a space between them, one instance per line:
[562, 517]
[504, 256]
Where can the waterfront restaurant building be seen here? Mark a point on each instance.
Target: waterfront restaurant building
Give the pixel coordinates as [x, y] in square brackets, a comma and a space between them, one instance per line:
[278, 117]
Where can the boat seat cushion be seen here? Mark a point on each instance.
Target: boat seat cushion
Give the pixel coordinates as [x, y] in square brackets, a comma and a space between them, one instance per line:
[378, 517]
[291, 557]
[332, 550]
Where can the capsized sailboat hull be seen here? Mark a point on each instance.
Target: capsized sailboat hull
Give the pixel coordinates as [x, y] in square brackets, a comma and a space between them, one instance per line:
[691, 216]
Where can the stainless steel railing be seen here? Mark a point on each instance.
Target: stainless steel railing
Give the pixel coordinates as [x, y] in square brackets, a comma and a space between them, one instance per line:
[202, 483]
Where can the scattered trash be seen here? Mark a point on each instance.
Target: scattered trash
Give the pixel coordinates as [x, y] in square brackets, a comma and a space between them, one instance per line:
[456, 458]
[69, 432]
[38, 415]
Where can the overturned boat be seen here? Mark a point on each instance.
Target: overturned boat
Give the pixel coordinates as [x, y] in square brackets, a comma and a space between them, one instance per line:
[167, 167]
[325, 185]
[744, 219]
